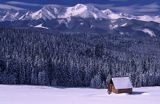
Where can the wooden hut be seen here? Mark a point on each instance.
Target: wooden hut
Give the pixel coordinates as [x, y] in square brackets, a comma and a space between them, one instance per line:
[120, 85]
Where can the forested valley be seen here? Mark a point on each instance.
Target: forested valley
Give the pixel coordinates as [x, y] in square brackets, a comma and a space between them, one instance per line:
[37, 57]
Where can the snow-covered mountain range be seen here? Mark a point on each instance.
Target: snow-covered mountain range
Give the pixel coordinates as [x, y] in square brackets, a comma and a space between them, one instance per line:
[49, 12]
[79, 18]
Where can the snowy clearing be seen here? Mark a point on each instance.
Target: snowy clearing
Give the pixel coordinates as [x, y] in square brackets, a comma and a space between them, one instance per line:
[11, 94]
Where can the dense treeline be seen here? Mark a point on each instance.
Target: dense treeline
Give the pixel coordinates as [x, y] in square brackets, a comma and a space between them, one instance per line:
[77, 60]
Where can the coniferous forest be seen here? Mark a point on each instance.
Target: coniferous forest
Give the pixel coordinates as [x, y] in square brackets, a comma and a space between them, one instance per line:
[38, 57]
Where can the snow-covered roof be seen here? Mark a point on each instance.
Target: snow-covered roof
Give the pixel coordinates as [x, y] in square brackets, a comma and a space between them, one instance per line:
[122, 82]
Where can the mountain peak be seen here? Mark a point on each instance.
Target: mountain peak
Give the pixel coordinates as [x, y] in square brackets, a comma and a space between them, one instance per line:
[80, 6]
[76, 10]
[107, 11]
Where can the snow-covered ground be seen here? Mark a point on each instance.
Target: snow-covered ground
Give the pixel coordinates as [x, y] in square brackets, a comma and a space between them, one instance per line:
[10, 94]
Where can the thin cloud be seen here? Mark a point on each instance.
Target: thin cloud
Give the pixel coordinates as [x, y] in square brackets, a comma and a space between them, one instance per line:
[138, 9]
[22, 3]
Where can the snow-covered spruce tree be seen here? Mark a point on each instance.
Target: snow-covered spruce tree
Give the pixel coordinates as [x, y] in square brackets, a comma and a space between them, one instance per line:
[96, 82]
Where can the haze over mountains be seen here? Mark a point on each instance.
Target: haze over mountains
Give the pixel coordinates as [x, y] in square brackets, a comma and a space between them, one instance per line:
[73, 2]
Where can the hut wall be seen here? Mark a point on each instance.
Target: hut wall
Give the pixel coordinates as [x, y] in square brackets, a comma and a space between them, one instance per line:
[129, 90]
[114, 89]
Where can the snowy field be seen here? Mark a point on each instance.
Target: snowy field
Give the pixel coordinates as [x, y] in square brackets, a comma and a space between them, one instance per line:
[10, 94]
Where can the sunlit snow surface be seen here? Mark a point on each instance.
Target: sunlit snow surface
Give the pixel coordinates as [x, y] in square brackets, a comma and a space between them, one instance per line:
[10, 94]
[150, 32]
[40, 26]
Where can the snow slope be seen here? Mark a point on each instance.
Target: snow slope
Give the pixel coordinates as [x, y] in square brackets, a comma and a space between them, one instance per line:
[48, 95]
[150, 32]
[40, 26]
